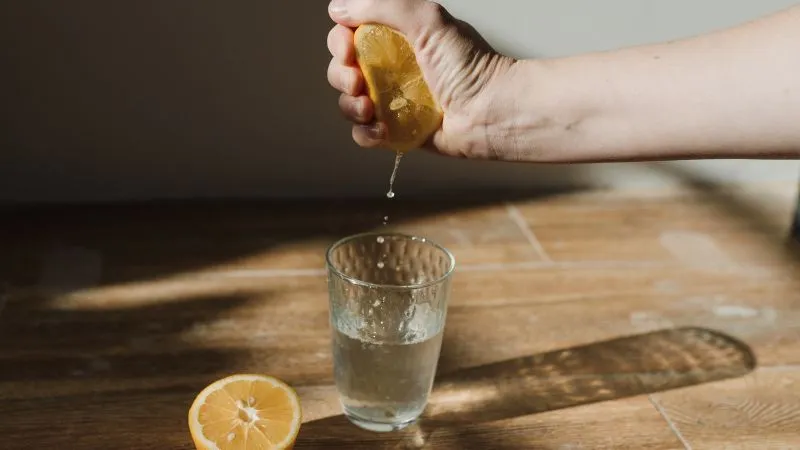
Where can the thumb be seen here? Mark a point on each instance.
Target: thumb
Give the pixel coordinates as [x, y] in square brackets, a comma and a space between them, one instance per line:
[409, 17]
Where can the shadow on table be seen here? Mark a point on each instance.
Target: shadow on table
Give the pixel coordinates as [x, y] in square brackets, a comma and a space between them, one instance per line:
[66, 248]
[463, 402]
[110, 323]
[95, 378]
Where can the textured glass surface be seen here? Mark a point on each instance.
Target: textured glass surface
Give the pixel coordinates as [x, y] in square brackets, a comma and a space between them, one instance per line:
[388, 305]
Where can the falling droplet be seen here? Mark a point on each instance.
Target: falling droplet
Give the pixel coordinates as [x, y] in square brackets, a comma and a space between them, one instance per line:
[397, 159]
[381, 240]
[380, 264]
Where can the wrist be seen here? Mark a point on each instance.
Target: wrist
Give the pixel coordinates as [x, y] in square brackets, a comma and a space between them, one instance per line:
[529, 115]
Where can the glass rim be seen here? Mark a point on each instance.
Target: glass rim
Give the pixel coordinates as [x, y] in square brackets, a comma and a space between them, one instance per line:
[356, 281]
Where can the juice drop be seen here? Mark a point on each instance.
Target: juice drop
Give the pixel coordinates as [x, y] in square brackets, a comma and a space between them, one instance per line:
[397, 159]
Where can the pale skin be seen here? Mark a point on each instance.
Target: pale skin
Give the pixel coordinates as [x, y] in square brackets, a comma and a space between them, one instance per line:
[731, 93]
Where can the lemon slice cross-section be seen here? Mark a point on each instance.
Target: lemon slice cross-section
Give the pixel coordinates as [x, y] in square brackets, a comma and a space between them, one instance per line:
[245, 412]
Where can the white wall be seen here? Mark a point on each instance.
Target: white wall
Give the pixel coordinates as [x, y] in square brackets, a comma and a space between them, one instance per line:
[107, 100]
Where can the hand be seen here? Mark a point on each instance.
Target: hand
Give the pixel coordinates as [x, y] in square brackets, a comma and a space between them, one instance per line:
[462, 70]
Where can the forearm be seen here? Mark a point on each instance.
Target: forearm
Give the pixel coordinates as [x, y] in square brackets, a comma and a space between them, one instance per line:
[729, 94]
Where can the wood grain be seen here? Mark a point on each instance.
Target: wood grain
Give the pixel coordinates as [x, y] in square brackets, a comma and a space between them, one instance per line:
[529, 311]
[119, 315]
[145, 241]
[714, 226]
[635, 424]
[759, 411]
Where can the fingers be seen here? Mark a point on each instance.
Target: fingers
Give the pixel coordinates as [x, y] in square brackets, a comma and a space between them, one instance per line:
[340, 44]
[343, 73]
[413, 18]
[345, 79]
[409, 17]
[359, 110]
[369, 135]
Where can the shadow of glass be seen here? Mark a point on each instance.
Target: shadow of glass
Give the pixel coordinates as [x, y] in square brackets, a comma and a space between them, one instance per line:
[608, 370]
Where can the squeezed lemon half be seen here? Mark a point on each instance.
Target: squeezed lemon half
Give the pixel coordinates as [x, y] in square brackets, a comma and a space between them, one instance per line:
[402, 98]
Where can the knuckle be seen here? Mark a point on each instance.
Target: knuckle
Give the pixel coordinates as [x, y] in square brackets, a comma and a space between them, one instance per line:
[332, 73]
[352, 107]
[362, 137]
[360, 109]
[344, 103]
[341, 77]
[370, 5]
[358, 10]
[358, 136]
[340, 44]
[347, 106]
[331, 40]
[346, 79]
[432, 20]
[434, 13]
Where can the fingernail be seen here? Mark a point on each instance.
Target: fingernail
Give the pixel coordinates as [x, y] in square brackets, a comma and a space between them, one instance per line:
[374, 131]
[337, 8]
[358, 111]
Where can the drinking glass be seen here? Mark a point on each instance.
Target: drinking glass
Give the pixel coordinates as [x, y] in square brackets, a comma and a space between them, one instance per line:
[388, 305]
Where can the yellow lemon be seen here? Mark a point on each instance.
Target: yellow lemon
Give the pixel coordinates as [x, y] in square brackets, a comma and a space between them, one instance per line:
[245, 412]
[396, 86]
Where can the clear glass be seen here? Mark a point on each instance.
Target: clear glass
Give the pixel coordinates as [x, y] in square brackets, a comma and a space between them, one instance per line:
[388, 305]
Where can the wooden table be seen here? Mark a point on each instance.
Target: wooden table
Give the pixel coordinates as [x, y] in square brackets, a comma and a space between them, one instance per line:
[661, 319]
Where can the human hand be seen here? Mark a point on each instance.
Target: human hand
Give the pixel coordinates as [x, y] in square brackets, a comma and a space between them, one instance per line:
[461, 69]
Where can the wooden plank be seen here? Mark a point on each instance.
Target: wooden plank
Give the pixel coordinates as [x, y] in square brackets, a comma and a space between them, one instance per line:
[514, 313]
[635, 424]
[487, 235]
[134, 344]
[757, 412]
[221, 324]
[152, 241]
[710, 227]
[157, 419]
[536, 407]
[575, 342]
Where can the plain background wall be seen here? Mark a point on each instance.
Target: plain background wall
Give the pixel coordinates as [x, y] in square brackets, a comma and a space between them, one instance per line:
[144, 99]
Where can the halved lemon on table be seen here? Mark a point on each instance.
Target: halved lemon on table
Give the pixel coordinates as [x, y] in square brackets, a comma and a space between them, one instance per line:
[245, 412]
[395, 84]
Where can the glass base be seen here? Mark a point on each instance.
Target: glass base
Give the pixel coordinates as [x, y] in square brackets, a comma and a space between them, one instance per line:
[378, 427]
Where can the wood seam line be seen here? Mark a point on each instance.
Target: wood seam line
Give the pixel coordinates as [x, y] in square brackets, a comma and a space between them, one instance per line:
[670, 424]
[516, 216]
